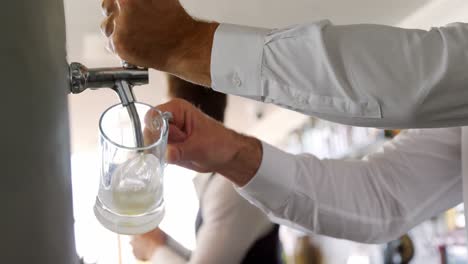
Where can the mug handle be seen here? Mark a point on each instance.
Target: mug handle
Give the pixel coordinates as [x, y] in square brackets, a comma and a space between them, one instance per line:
[167, 116]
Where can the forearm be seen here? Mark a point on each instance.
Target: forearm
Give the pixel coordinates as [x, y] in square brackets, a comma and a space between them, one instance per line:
[245, 160]
[191, 60]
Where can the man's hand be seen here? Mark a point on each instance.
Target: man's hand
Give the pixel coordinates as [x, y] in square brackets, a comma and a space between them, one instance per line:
[160, 34]
[200, 143]
[145, 245]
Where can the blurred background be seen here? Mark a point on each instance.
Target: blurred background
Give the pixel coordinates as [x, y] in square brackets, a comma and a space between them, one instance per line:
[439, 240]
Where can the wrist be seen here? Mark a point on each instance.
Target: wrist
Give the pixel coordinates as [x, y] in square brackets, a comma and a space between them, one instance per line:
[245, 159]
[191, 59]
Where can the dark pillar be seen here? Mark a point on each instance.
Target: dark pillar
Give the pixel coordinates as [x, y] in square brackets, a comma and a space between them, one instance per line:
[35, 186]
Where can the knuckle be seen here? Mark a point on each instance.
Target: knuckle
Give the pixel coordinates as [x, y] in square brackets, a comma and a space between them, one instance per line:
[177, 101]
[107, 7]
[110, 46]
[107, 25]
[181, 102]
[104, 25]
[118, 42]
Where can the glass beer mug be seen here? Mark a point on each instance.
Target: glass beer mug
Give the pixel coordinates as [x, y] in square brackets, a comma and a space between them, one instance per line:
[130, 198]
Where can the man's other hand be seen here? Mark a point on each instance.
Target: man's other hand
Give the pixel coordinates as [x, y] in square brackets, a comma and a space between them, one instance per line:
[145, 245]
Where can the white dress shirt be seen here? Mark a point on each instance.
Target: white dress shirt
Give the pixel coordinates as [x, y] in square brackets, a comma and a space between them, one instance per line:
[365, 75]
[231, 225]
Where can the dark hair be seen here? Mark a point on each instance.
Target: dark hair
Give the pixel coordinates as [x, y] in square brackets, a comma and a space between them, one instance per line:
[207, 100]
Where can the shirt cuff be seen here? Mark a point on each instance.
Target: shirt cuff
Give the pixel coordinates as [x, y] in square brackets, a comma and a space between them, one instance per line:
[271, 186]
[236, 60]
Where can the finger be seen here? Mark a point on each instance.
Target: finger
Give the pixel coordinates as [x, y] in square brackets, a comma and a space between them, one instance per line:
[128, 4]
[108, 25]
[180, 112]
[173, 154]
[155, 233]
[176, 135]
[176, 153]
[110, 46]
[191, 166]
[150, 137]
[108, 7]
[152, 118]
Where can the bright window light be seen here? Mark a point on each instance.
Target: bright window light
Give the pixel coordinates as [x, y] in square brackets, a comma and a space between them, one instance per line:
[181, 205]
[93, 242]
[358, 260]
[98, 245]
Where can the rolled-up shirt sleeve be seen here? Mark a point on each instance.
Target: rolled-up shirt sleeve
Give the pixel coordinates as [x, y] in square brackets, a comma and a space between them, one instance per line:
[414, 177]
[365, 75]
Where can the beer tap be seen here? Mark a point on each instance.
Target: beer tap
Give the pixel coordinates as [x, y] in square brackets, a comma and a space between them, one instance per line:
[120, 79]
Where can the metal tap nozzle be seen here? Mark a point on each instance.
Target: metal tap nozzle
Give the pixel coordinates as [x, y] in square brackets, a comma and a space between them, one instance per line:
[121, 80]
[82, 78]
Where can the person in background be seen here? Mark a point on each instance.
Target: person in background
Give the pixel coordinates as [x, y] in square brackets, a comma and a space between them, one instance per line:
[229, 229]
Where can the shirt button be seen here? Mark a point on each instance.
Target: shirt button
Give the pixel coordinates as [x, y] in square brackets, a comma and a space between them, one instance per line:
[236, 80]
